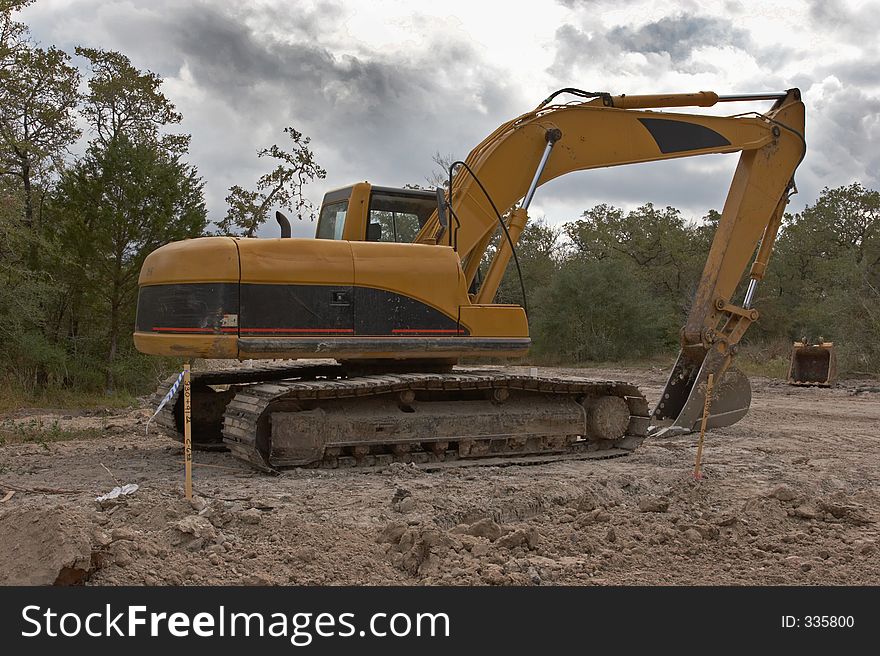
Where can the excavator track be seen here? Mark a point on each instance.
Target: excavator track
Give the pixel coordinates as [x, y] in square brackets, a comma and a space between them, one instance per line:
[432, 420]
[209, 403]
[306, 415]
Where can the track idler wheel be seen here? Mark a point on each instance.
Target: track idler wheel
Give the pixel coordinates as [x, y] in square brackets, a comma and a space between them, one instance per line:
[607, 418]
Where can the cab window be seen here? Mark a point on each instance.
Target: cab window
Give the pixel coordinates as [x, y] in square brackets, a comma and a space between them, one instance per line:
[397, 217]
[332, 220]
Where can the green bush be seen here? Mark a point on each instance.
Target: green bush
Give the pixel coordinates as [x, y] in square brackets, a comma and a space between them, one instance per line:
[600, 310]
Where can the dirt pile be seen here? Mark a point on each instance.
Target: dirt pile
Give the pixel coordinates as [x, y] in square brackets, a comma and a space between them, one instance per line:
[627, 530]
[44, 546]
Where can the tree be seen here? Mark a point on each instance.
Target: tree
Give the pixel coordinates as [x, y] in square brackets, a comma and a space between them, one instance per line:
[13, 34]
[594, 234]
[123, 100]
[38, 93]
[282, 186]
[599, 310]
[440, 176]
[847, 220]
[123, 201]
[668, 252]
[539, 252]
[130, 193]
[25, 292]
[824, 278]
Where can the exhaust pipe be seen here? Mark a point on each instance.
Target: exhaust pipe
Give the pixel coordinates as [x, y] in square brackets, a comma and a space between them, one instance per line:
[284, 223]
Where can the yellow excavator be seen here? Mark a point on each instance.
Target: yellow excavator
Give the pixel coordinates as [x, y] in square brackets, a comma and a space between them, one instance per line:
[391, 295]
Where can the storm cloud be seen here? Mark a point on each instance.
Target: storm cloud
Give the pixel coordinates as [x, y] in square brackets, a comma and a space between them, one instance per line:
[381, 88]
[238, 83]
[822, 48]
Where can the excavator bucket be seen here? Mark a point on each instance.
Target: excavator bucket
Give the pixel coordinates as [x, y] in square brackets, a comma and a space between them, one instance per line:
[813, 364]
[680, 410]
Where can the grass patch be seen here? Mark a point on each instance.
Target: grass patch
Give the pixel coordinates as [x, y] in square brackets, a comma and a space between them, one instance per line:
[36, 431]
[643, 363]
[646, 363]
[752, 361]
[770, 358]
[64, 399]
[773, 368]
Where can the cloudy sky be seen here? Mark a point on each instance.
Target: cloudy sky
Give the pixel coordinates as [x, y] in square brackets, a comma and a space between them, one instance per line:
[382, 85]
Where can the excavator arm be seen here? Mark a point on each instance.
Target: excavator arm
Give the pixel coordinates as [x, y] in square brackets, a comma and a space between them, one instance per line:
[501, 174]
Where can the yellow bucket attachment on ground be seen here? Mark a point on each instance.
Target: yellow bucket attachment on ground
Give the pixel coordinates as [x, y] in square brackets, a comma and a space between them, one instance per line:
[813, 364]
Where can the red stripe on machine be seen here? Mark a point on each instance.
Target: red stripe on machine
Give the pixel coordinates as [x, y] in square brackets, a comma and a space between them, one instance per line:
[445, 331]
[297, 330]
[205, 331]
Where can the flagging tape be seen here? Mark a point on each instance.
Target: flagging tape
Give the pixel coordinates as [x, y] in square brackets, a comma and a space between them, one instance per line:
[168, 397]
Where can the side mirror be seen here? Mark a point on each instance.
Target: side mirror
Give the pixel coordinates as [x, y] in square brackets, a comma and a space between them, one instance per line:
[442, 216]
[441, 208]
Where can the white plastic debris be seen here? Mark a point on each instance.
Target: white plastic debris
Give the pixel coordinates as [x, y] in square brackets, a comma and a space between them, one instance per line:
[123, 491]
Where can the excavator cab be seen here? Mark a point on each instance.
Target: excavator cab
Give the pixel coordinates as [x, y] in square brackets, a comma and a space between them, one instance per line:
[363, 212]
[813, 364]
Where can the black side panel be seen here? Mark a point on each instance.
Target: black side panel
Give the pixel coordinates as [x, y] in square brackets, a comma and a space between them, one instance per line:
[296, 310]
[287, 310]
[304, 310]
[380, 312]
[208, 308]
[677, 136]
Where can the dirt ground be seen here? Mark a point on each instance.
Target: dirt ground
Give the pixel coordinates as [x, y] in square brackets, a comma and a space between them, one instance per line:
[790, 496]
